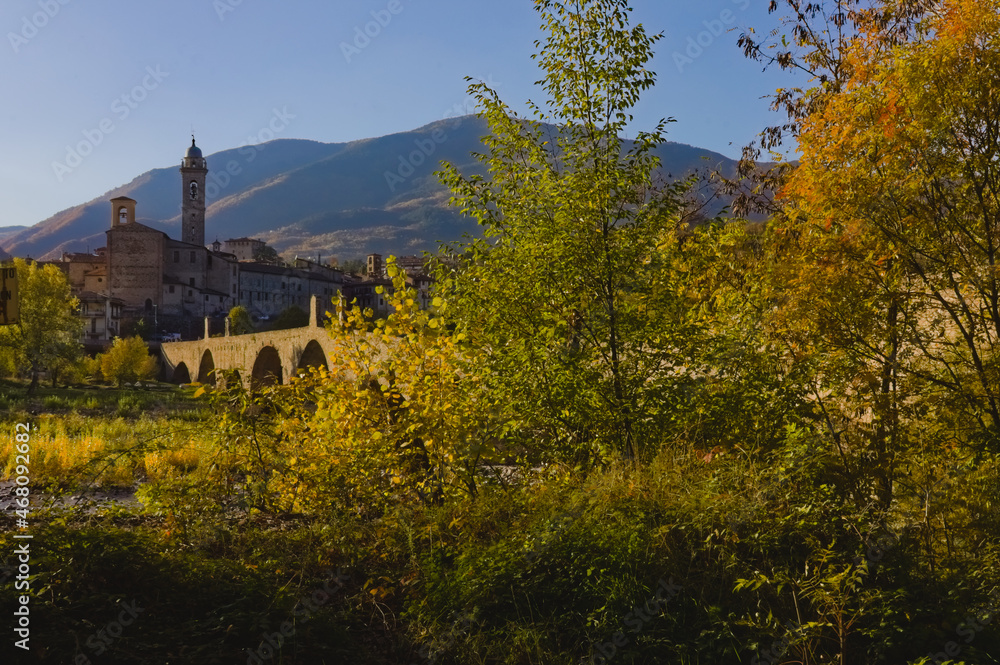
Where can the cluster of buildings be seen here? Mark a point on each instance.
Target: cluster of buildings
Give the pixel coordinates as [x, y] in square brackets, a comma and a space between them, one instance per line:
[173, 284]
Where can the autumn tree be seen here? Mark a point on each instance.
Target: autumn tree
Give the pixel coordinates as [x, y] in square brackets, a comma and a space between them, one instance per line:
[49, 332]
[395, 418]
[829, 289]
[127, 361]
[557, 294]
[911, 187]
[814, 39]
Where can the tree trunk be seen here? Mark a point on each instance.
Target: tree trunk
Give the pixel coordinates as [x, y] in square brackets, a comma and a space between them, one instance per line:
[34, 381]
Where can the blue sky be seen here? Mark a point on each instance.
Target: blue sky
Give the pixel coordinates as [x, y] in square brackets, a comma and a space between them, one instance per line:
[125, 82]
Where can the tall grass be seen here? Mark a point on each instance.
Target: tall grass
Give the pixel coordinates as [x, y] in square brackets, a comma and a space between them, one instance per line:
[104, 437]
[106, 451]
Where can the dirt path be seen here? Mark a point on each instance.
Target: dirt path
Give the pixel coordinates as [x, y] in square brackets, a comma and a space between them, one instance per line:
[95, 498]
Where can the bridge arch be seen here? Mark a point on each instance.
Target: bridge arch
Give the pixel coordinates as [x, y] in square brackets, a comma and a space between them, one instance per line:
[181, 374]
[261, 357]
[312, 356]
[206, 371]
[229, 377]
[267, 368]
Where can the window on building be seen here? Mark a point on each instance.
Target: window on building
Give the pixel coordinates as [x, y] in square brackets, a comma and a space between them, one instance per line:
[192, 256]
[171, 288]
[206, 298]
[191, 281]
[209, 260]
[177, 257]
[93, 325]
[190, 293]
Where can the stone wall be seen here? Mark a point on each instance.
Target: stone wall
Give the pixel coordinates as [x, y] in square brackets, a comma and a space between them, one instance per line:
[135, 266]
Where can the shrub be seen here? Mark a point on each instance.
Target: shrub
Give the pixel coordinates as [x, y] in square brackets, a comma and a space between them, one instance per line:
[127, 361]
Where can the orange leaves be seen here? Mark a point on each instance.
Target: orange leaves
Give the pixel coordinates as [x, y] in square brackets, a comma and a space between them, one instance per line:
[967, 18]
[889, 115]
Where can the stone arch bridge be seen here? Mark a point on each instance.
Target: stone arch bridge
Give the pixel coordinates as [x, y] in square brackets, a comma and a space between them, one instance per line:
[260, 358]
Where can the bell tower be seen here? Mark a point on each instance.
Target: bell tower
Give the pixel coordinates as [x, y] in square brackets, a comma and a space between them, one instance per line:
[122, 211]
[194, 171]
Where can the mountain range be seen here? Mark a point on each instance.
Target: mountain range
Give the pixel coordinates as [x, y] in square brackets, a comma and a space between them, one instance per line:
[308, 198]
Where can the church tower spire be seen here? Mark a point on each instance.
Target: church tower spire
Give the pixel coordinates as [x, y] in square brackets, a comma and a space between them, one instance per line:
[194, 171]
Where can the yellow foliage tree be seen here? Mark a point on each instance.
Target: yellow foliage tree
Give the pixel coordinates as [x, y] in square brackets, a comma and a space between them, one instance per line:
[48, 334]
[890, 241]
[127, 360]
[393, 420]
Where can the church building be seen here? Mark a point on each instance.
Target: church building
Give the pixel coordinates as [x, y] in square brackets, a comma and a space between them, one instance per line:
[158, 275]
[173, 285]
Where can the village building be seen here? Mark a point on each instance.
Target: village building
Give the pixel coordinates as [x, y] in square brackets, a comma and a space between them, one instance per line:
[244, 249]
[172, 285]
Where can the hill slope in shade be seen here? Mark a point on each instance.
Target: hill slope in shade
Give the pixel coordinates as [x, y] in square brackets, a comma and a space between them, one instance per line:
[307, 198]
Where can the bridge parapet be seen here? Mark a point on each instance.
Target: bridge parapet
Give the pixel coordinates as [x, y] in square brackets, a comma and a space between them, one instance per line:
[262, 356]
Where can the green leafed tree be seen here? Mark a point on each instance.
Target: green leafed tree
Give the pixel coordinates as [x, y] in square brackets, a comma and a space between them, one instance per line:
[568, 295]
[267, 254]
[240, 322]
[353, 266]
[127, 361]
[49, 332]
[291, 317]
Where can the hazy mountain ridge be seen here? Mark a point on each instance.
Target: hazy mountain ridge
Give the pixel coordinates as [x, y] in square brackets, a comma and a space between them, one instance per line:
[305, 197]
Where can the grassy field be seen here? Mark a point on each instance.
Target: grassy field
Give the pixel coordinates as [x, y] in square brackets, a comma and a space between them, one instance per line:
[101, 436]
